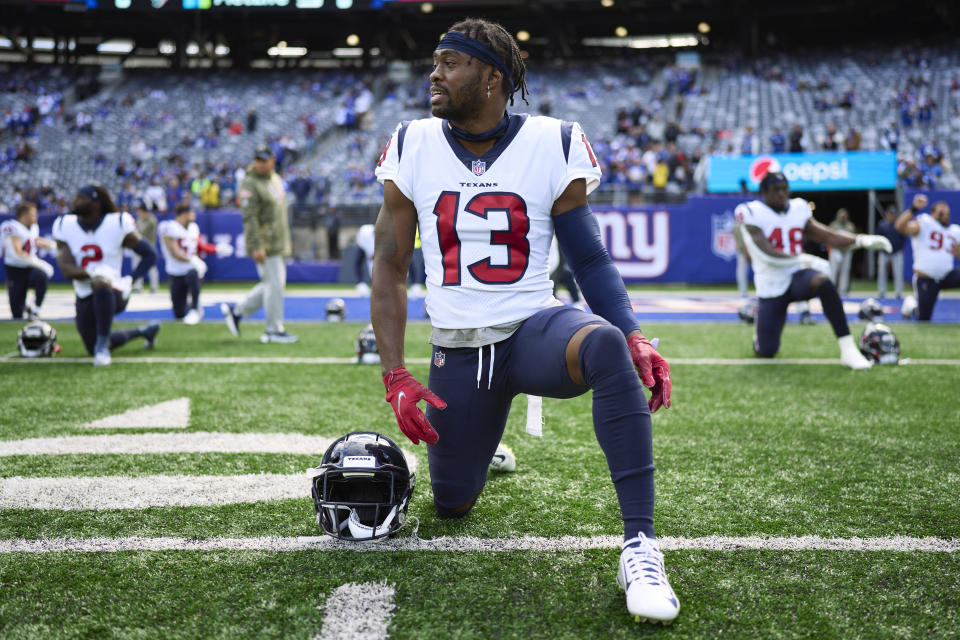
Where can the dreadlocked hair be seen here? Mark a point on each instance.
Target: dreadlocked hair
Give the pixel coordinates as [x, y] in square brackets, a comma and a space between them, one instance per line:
[501, 43]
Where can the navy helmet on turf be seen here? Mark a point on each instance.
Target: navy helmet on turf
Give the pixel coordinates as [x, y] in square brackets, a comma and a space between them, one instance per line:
[336, 310]
[362, 488]
[879, 344]
[37, 340]
[367, 350]
[871, 310]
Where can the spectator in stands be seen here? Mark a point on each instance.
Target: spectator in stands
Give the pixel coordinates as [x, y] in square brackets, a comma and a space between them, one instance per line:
[890, 137]
[830, 138]
[749, 144]
[841, 258]
[155, 197]
[332, 224]
[251, 120]
[778, 142]
[898, 241]
[852, 140]
[267, 234]
[796, 139]
[147, 227]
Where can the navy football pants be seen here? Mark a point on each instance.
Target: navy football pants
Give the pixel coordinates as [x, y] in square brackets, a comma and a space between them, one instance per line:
[928, 290]
[478, 385]
[772, 312]
[19, 279]
[87, 320]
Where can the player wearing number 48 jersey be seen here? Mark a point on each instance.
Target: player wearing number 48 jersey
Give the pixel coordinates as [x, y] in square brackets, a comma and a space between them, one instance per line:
[90, 244]
[773, 230]
[487, 191]
[935, 243]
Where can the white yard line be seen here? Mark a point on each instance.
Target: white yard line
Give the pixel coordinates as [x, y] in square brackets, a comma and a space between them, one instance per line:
[172, 414]
[153, 443]
[352, 361]
[471, 544]
[358, 612]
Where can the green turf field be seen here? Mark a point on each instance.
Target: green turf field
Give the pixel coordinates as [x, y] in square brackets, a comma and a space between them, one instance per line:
[774, 450]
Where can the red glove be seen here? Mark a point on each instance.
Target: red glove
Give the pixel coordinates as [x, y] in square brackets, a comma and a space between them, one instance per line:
[403, 394]
[653, 369]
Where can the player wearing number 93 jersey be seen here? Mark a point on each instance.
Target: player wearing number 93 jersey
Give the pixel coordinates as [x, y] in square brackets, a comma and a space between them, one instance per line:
[935, 243]
[487, 191]
[90, 243]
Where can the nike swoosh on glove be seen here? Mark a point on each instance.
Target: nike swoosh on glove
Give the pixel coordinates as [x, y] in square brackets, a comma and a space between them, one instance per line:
[403, 394]
[653, 369]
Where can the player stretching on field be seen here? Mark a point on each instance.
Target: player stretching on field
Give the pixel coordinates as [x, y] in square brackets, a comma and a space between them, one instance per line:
[488, 189]
[773, 231]
[90, 244]
[935, 244]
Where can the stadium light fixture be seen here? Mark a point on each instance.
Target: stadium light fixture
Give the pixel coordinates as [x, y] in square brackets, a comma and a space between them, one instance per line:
[426, 7]
[192, 49]
[606, 3]
[167, 47]
[43, 44]
[283, 51]
[120, 46]
[353, 40]
[704, 27]
[347, 52]
[645, 42]
[523, 35]
[621, 32]
[221, 50]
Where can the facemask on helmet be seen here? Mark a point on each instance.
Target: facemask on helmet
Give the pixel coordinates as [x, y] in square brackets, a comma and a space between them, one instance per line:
[362, 488]
[878, 343]
[367, 350]
[37, 340]
[336, 310]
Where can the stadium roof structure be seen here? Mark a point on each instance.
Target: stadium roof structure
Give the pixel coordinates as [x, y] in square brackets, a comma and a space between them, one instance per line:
[245, 30]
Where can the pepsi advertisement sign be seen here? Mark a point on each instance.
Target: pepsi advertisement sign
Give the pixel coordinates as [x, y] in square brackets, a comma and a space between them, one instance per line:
[849, 171]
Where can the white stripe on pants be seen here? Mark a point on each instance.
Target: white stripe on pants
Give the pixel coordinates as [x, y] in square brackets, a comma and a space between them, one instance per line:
[268, 293]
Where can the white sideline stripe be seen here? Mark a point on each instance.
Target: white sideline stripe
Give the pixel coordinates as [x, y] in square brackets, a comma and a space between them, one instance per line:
[172, 414]
[352, 361]
[358, 612]
[471, 544]
[143, 492]
[198, 442]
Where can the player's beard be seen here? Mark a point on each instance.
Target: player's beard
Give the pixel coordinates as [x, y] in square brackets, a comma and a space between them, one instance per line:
[463, 105]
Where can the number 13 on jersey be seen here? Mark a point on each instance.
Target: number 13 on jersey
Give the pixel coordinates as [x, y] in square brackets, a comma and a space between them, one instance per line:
[514, 236]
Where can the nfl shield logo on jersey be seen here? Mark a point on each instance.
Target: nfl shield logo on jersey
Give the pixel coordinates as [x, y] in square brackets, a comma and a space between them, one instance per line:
[724, 244]
[439, 359]
[478, 167]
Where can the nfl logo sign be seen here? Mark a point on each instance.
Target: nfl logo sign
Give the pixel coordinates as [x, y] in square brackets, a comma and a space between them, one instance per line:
[439, 359]
[478, 167]
[724, 244]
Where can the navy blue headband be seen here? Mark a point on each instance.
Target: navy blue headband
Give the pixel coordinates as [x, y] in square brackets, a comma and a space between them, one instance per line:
[460, 42]
[90, 192]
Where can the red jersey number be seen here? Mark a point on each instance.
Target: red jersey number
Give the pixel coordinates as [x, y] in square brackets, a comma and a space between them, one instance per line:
[514, 237]
[91, 253]
[794, 237]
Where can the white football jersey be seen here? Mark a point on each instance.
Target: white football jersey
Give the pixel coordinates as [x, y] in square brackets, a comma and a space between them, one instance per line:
[933, 246]
[186, 238]
[785, 233]
[485, 224]
[104, 244]
[11, 229]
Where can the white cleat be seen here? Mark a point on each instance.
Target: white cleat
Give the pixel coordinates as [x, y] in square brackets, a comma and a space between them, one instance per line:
[102, 358]
[850, 355]
[503, 460]
[192, 317]
[642, 576]
[909, 308]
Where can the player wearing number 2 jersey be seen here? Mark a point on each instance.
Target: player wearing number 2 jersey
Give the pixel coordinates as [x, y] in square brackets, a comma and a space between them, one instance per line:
[773, 230]
[90, 244]
[487, 190]
[935, 243]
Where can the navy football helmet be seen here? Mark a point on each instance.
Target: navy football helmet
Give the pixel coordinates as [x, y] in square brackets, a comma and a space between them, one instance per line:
[879, 344]
[871, 310]
[362, 488]
[336, 310]
[37, 340]
[367, 350]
